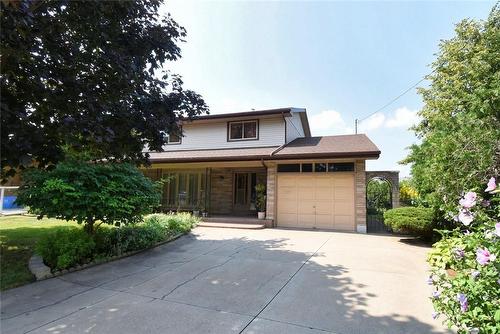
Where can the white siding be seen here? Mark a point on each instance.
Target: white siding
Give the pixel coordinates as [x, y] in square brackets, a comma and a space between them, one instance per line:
[213, 135]
[293, 127]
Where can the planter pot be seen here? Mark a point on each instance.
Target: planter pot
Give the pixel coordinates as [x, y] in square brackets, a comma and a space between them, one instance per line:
[196, 213]
[261, 215]
[205, 214]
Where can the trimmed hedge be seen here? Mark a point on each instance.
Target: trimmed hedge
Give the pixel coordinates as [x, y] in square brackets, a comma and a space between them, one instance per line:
[410, 220]
[68, 247]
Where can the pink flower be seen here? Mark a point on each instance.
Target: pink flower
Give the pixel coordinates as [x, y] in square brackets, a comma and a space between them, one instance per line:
[469, 200]
[497, 229]
[483, 256]
[466, 217]
[492, 185]
[462, 299]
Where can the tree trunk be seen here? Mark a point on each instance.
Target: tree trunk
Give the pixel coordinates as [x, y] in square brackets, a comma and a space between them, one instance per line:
[89, 226]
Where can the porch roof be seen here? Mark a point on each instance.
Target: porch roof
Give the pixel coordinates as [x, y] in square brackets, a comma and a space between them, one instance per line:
[346, 146]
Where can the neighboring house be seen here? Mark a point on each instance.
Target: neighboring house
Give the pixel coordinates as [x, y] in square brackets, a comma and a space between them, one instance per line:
[312, 182]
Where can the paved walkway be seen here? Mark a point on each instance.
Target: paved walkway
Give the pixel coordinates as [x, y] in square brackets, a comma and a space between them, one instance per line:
[238, 281]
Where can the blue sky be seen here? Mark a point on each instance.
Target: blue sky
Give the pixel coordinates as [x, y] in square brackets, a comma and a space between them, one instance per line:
[339, 60]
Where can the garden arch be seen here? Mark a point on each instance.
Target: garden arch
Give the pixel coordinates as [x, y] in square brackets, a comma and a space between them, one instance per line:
[392, 177]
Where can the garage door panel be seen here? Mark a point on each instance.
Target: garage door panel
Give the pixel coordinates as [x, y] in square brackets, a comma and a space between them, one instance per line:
[324, 221]
[305, 193]
[324, 208]
[305, 220]
[323, 201]
[324, 194]
[306, 207]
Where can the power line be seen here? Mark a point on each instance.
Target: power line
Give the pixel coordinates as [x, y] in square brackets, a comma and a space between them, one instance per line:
[357, 121]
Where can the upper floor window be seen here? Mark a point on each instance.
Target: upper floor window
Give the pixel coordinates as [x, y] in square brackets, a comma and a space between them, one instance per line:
[243, 130]
[174, 138]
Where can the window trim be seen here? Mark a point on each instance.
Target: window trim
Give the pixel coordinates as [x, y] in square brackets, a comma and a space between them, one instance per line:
[256, 121]
[175, 142]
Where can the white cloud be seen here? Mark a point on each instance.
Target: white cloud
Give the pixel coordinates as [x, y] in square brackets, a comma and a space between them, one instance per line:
[329, 122]
[371, 123]
[403, 118]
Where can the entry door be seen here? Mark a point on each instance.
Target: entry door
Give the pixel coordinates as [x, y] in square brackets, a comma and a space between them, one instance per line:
[244, 192]
[324, 201]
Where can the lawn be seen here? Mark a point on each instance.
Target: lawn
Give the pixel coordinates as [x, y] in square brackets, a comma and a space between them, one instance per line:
[18, 235]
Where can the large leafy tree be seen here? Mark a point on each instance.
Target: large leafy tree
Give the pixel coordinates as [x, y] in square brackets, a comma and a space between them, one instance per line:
[88, 75]
[460, 127]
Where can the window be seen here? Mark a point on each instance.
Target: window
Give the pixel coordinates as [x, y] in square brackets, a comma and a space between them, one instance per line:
[174, 138]
[341, 167]
[289, 168]
[320, 167]
[184, 190]
[307, 168]
[245, 130]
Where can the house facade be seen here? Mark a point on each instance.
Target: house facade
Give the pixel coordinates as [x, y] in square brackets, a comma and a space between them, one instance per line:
[311, 182]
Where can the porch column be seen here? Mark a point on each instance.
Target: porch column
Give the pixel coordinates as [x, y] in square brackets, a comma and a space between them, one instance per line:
[360, 189]
[271, 191]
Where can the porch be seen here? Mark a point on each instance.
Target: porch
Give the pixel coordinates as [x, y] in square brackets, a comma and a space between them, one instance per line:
[219, 193]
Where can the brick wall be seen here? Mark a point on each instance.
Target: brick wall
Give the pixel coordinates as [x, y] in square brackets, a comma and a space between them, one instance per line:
[360, 194]
[271, 191]
[221, 196]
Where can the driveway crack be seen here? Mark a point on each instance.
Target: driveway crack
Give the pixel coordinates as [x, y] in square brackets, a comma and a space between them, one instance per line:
[195, 277]
[284, 285]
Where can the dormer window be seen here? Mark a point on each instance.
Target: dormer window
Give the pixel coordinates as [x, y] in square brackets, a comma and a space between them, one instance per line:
[174, 138]
[243, 130]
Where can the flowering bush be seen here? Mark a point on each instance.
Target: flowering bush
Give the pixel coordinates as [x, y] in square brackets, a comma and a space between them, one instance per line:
[465, 267]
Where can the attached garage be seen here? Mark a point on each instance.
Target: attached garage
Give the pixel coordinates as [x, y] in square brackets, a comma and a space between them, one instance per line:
[322, 200]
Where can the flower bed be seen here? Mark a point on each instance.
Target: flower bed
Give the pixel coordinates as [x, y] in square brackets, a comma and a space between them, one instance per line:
[71, 247]
[465, 267]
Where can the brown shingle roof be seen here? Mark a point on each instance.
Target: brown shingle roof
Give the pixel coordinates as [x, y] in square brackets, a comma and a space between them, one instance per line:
[330, 146]
[351, 146]
[237, 154]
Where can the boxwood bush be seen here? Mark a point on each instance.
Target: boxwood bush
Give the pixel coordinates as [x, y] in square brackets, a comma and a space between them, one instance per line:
[69, 247]
[410, 220]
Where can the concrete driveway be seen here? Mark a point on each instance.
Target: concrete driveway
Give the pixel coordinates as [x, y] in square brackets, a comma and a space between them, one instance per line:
[238, 281]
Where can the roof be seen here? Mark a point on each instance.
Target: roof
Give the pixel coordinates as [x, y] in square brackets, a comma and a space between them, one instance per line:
[330, 146]
[346, 146]
[228, 154]
[252, 113]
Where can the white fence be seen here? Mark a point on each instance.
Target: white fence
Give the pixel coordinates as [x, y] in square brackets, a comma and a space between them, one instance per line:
[8, 206]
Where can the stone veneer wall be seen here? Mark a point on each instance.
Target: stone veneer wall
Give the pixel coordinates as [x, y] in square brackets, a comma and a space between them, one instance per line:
[360, 190]
[271, 191]
[221, 192]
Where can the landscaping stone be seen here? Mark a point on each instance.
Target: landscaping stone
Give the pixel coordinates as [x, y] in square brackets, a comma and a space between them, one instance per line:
[38, 268]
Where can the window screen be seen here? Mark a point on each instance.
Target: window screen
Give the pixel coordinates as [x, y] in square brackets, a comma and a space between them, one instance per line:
[341, 167]
[289, 168]
[320, 167]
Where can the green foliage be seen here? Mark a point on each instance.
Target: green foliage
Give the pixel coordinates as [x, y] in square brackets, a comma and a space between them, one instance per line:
[414, 221]
[408, 194]
[66, 247]
[112, 193]
[260, 200]
[378, 196]
[460, 127]
[457, 269]
[91, 75]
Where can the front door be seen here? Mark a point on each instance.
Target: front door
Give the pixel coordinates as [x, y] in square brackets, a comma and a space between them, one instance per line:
[244, 192]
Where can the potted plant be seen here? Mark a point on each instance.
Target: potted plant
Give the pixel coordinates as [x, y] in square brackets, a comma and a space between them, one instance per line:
[260, 200]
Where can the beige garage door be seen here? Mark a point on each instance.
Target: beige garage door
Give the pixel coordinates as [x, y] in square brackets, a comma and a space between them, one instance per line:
[323, 201]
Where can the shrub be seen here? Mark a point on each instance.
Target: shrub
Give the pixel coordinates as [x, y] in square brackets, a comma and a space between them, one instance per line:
[65, 248]
[465, 265]
[176, 223]
[112, 193]
[414, 221]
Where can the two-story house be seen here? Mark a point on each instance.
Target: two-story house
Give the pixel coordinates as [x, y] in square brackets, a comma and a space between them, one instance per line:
[312, 182]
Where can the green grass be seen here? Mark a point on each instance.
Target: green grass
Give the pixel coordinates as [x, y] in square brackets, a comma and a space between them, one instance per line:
[18, 235]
